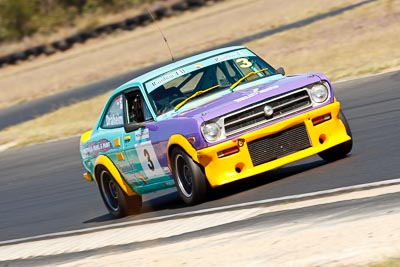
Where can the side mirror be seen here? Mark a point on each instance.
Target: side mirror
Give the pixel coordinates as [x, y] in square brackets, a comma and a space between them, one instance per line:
[131, 127]
[280, 70]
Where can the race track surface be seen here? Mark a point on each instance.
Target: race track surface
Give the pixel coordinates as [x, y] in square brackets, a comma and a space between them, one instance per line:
[42, 190]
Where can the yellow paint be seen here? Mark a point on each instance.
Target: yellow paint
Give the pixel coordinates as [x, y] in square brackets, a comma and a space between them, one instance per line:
[88, 177]
[220, 171]
[181, 141]
[117, 142]
[85, 136]
[127, 138]
[104, 161]
[120, 156]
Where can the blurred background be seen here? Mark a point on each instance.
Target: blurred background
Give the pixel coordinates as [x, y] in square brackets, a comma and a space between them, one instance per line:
[59, 59]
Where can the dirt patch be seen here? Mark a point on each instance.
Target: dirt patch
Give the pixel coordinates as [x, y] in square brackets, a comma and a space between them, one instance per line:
[357, 42]
[303, 244]
[192, 31]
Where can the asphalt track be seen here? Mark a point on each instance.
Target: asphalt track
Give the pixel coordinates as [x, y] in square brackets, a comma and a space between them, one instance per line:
[42, 190]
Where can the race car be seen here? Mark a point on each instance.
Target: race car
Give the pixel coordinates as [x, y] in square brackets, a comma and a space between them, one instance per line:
[205, 121]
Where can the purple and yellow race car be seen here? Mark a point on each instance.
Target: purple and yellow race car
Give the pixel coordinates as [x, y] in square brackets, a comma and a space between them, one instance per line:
[206, 121]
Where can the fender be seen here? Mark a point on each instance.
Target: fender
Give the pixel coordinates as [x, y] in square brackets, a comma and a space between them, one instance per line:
[109, 165]
[181, 141]
[85, 136]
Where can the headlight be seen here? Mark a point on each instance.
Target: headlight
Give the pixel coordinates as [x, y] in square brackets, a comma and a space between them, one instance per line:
[319, 92]
[211, 131]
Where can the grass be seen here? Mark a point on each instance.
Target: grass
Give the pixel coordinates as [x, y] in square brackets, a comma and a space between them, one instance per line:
[64, 122]
[390, 262]
[346, 46]
[357, 42]
[101, 58]
[60, 23]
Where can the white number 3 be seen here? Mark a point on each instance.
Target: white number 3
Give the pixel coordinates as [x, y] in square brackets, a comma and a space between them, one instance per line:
[244, 62]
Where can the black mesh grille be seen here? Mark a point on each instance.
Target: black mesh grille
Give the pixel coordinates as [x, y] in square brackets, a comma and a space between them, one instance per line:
[279, 145]
[281, 105]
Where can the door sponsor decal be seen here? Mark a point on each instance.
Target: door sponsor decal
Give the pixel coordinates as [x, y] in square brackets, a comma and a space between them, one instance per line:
[142, 134]
[96, 147]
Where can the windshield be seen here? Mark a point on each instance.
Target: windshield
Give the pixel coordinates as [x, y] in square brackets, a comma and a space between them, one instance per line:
[174, 89]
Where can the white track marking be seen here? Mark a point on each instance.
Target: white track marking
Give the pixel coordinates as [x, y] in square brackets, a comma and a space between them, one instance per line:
[177, 224]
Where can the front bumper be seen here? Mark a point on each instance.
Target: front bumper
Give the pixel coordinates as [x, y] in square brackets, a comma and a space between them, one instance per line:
[239, 165]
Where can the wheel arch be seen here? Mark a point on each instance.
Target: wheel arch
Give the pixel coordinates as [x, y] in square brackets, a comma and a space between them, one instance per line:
[105, 162]
[178, 140]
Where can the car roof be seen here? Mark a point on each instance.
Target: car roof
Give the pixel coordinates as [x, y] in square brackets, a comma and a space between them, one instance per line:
[151, 74]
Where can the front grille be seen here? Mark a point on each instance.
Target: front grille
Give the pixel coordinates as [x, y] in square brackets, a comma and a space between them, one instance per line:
[279, 145]
[283, 105]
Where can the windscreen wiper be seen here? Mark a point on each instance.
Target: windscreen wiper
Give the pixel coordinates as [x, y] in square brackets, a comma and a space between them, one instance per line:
[245, 77]
[195, 95]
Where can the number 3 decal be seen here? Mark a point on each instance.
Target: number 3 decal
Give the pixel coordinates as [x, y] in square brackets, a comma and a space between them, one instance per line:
[148, 159]
[149, 162]
[244, 62]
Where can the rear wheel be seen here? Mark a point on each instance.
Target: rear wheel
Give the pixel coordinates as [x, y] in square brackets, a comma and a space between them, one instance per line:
[189, 177]
[340, 151]
[118, 203]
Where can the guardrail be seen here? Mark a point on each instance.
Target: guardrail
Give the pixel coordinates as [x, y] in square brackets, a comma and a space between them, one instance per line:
[167, 9]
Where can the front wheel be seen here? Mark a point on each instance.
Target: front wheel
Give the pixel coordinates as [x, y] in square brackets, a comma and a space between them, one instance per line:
[340, 151]
[118, 203]
[189, 177]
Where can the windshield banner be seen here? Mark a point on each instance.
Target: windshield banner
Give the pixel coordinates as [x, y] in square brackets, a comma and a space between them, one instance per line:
[169, 76]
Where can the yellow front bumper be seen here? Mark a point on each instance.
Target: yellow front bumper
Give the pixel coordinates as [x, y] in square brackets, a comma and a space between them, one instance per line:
[222, 170]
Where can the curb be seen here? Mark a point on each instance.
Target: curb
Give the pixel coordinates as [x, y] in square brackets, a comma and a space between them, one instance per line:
[230, 208]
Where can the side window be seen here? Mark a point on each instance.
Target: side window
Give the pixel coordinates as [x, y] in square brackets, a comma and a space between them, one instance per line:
[114, 114]
[136, 108]
[147, 113]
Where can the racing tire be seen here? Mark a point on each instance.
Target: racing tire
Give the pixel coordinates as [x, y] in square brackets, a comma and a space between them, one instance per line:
[340, 151]
[117, 202]
[180, 6]
[144, 19]
[196, 3]
[189, 177]
[61, 45]
[160, 12]
[73, 39]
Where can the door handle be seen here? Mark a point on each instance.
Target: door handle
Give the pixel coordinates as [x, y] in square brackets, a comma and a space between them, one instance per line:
[127, 138]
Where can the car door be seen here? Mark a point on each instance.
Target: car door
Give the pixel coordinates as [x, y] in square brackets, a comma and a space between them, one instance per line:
[109, 134]
[138, 144]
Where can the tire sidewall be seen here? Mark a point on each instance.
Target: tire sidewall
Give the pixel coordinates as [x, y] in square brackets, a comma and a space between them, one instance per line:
[127, 205]
[198, 179]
